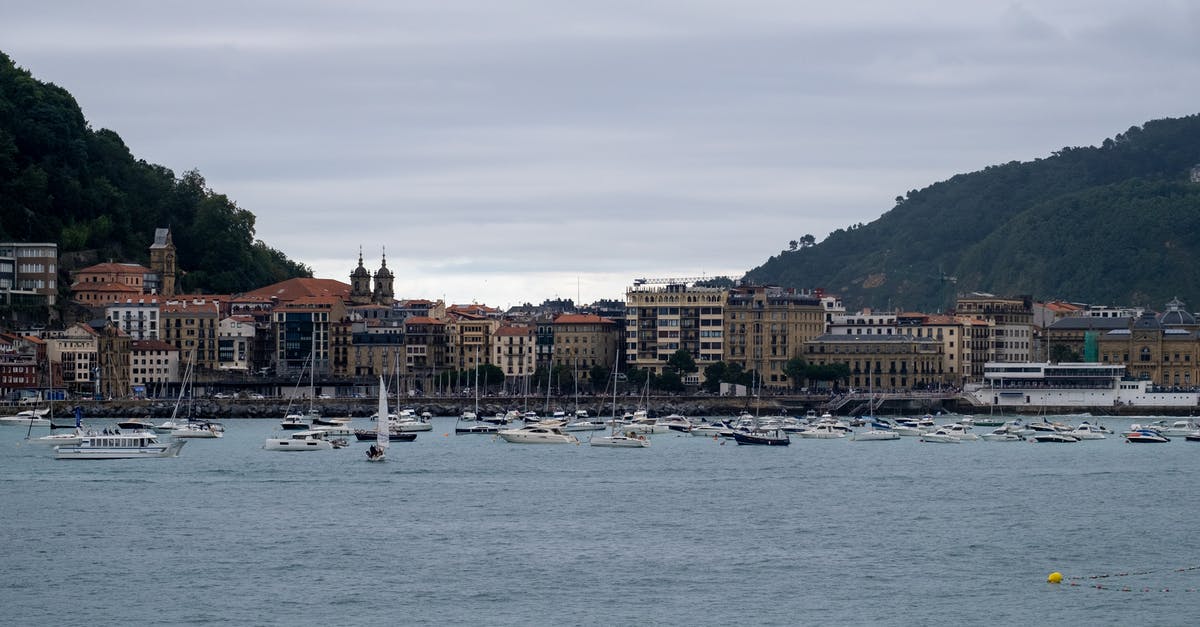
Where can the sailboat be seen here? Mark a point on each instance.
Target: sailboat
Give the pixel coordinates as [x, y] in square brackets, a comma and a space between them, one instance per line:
[378, 451]
[758, 435]
[615, 439]
[474, 424]
[296, 421]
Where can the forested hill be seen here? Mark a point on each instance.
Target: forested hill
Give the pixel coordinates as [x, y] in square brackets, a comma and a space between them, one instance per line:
[61, 181]
[1114, 224]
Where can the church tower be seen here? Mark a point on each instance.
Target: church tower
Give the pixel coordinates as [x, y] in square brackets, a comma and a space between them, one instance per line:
[162, 261]
[384, 295]
[360, 283]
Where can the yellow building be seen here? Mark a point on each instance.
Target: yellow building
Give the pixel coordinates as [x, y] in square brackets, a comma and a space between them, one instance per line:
[881, 362]
[676, 315]
[764, 327]
[1167, 354]
[191, 327]
[584, 340]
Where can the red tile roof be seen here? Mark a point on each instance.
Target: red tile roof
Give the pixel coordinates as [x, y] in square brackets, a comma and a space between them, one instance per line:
[291, 289]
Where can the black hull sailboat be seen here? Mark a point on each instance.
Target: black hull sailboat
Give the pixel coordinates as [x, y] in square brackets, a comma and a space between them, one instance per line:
[395, 436]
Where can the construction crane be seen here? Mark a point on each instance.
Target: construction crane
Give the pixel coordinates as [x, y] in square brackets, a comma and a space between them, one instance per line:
[678, 280]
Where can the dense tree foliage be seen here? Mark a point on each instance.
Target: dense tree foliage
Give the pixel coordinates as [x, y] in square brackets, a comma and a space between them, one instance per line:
[62, 182]
[1112, 224]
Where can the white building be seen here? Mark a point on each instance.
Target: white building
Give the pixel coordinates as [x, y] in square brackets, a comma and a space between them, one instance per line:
[138, 319]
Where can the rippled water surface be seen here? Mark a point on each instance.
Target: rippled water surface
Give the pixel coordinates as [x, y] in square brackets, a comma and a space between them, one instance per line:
[469, 530]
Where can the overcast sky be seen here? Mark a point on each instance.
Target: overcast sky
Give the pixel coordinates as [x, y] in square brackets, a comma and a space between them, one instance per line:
[506, 152]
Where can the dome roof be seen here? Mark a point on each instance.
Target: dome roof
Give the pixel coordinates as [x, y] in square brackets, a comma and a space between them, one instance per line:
[383, 269]
[1176, 315]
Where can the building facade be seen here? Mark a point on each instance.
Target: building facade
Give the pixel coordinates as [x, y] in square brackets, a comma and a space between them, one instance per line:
[663, 319]
[764, 327]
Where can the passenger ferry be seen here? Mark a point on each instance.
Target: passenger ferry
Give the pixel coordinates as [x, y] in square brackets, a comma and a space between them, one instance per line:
[133, 445]
[1034, 384]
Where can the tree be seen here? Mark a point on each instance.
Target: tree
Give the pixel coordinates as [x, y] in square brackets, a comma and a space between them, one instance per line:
[795, 369]
[599, 377]
[681, 362]
[1060, 353]
[793, 245]
[808, 241]
[490, 375]
[669, 382]
[713, 375]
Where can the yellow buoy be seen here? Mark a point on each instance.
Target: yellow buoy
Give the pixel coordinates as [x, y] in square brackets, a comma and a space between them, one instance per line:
[1055, 577]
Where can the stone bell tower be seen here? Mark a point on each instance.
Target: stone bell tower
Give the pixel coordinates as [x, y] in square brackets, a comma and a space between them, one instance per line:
[384, 295]
[162, 261]
[360, 283]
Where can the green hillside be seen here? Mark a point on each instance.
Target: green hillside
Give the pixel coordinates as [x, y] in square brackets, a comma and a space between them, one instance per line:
[61, 181]
[1114, 224]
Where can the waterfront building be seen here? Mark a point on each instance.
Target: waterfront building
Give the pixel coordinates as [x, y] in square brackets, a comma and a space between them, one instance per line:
[29, 280]
[20, 371]
[585, 340]
[765, 326]
[514, 350]
[1011, 324]
[1162, 349]
[375, 348]
[426, 353]
[954, 332]
[469, 336]
[667, 315]
[1076, 338]
[302, 333]
[72, 356]
[190, 325]
[153, 368]
[420, 307]
[1074, 386]
[235, 344]
[137, 318]
[881, 362]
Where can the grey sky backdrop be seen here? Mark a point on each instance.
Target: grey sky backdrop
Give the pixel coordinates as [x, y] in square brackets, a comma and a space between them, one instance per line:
[505, 152]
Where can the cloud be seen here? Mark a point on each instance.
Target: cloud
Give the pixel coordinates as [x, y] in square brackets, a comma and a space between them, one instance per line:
[514, 151]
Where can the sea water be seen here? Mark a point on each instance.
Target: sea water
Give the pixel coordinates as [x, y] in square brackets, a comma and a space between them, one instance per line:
[470, 530]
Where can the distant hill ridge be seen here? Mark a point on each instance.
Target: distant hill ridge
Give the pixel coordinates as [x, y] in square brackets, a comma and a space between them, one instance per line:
[61, 181]
[1113, 224]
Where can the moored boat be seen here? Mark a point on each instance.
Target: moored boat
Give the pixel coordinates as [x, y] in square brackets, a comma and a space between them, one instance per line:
[299, 441]
[537, 434]
[116, 445]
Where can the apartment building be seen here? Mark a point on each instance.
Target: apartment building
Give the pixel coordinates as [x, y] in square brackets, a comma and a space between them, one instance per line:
[881, 362]
[664, 318]
[138, 318]
[765, 326]
[1011, 324]
[585, 340]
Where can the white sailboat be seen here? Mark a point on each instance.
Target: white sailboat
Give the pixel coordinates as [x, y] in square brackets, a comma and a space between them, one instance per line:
[615, 439]
[378, 451]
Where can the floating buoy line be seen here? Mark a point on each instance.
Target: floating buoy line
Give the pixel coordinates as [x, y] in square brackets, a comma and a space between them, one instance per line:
[1085, 581]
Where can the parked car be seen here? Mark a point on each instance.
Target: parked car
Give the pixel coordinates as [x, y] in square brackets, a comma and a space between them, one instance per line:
[255, 396]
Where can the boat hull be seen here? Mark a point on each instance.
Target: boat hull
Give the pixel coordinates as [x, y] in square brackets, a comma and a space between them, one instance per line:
[752, 439]
[620, 441]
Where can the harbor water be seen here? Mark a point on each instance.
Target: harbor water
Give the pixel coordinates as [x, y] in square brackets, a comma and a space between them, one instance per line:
[470, 530]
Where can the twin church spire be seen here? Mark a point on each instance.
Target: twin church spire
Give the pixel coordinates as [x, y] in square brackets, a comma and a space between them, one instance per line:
[360, 284]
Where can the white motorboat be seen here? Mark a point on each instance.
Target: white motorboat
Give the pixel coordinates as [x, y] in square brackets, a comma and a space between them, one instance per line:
[56, 439]
[537, 434]
[963, 432]
[336, 429]
[1180, 428]
[413, 423]
[299, 441]
[823, 431]
[196, 430]
[1001, 434]
[27, 418]
[133, 445]
[645, 425]
[710, 429]
[1088, 431]
[1139, 434]
[585, 424]
[879, 431]
[676, 422]
[940, 436]
[135, 424]
[619, 440]
[1057, 437]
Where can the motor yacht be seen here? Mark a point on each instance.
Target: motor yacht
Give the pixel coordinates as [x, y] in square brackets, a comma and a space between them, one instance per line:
[1180, 428]
[300, 441]
[1057, 437]
[196, 430]
[941, 435]
[27, 418]
[963, 432]
[646, 424]
[620, 440]
[1088, 431]
[879, 431]
[676, 422]
[1139, 434]
[136, 424]
[537, 434]
[823, 431]
[1001, 434]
